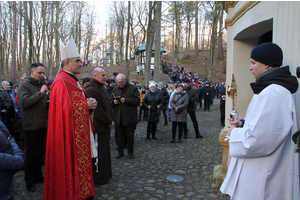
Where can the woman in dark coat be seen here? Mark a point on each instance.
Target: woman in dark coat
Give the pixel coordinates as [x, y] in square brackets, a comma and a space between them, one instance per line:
[11, 117]
[178, 103]
[12, 160]
[153, 102]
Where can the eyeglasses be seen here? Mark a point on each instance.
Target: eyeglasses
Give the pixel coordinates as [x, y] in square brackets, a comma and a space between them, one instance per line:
[121, 81]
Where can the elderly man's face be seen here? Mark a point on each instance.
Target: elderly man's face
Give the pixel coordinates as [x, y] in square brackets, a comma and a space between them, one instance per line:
[121, 81]
[100, 77]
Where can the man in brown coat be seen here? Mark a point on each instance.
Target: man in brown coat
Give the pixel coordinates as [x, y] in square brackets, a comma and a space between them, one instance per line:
[103, 119]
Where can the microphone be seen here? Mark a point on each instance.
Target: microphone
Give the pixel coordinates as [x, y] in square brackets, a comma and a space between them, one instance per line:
[43, 82]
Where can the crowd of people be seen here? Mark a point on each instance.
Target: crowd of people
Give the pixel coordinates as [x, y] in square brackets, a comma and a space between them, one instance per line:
[118, 107]
[67, 125]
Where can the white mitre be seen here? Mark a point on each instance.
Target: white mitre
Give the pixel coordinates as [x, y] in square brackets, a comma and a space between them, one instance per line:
[68, 51]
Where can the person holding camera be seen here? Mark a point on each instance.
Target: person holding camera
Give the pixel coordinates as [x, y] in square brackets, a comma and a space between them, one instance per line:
[125, 99]
[34, 107]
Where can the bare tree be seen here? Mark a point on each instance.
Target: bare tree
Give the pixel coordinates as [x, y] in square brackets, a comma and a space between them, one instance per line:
[220, 35]
[44, 9]
[25, 68]
[30, 32]
[14, 43]
[157, 58]
[215, 19]
[118, 21]
[89, 32]
[127, 41]
[189, 8]
[196, 26]
[20, 36]
[149, 43]
[177, 13]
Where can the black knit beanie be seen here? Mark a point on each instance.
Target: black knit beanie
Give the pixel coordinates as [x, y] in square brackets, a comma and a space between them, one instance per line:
[268, 53]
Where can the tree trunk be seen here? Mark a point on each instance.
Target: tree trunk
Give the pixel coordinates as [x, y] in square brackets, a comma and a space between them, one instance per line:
[43, 38]
[14, 42]
[177, 53]
[20, 38]
[196, 27]
[111, 45]
[157, 58]
[30, 33]
[57, 51]
[50, 42]
[203, 35]
[220, 41]
[127, 42]
[149, 44]
[25, 38]
[213, 39]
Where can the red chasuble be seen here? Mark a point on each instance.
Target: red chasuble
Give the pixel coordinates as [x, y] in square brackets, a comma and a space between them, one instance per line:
[68, 167]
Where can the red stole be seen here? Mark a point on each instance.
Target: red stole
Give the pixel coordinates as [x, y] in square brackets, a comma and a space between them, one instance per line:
[68, 167]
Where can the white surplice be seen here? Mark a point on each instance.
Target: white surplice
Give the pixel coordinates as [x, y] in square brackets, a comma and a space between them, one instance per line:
[263, 164]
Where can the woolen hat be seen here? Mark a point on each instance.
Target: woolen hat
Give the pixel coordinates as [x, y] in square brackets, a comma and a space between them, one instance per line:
[268, 53]
[152, 85]
[111, 80]
[186, 80]
[161, 83]
[87, 79]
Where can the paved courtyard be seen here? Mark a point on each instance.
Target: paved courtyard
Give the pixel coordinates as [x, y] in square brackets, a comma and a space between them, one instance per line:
[144, 177]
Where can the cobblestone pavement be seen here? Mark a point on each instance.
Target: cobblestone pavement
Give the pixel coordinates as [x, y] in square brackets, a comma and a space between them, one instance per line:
[144, 177]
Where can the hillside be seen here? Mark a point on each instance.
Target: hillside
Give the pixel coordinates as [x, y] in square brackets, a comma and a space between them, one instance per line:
[195, 64]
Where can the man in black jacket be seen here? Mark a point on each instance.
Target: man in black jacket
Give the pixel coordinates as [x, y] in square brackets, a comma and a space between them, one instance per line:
[125, 99]
[34, 107]
[206, 92]
[193, 97]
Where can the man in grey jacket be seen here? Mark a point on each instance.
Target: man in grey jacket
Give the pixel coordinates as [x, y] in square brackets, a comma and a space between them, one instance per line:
[34, 106]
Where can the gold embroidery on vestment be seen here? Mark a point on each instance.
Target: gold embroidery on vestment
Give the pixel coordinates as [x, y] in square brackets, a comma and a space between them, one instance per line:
[82, 142]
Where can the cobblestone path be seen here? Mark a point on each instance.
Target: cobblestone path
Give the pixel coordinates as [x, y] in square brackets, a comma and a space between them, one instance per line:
[144, 177]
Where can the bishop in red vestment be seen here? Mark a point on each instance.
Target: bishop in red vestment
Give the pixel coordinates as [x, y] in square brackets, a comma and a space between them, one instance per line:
[68, 167]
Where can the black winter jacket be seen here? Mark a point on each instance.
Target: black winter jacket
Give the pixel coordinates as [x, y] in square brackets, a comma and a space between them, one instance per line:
[193, 97]
[12, 160]
[126, 112]
[152, 99]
